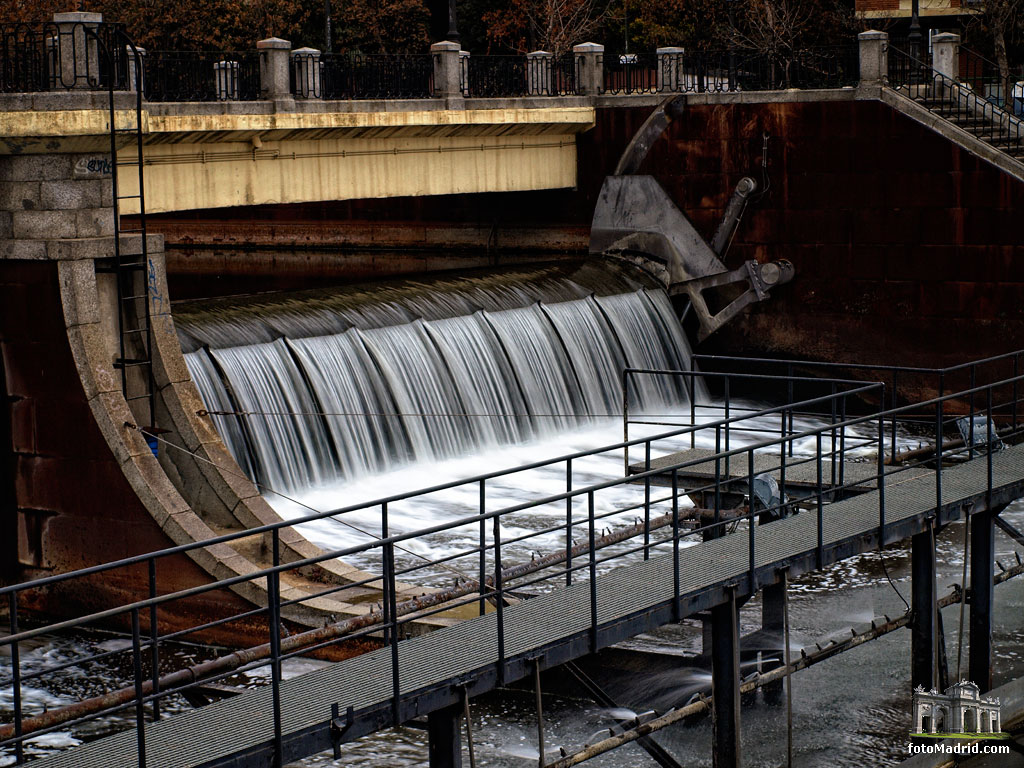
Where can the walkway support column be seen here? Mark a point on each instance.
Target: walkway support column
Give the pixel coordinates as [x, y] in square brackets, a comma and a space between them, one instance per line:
[923, 637]
[443, 733]
[725, 684]
[589, 68]
[874, 57]
[773, 623]
[982, 558]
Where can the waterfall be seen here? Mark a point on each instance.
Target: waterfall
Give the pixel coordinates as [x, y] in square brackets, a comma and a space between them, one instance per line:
[333, 397]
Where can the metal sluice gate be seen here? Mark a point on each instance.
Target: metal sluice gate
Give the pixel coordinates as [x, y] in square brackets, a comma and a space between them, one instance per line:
[702, 535]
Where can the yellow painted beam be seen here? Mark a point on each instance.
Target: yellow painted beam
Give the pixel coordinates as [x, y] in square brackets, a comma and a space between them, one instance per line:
[191, 176]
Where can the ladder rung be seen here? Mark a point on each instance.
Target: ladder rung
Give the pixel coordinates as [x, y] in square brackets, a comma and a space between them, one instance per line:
[133, 298]
[128, 197]
[135, 330]
[131, 363]
[139, 397]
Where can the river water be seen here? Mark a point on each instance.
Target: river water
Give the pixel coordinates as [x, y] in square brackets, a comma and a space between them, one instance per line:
[443, 382]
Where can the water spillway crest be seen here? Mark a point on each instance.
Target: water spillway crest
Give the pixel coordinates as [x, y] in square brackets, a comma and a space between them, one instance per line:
[312, 408]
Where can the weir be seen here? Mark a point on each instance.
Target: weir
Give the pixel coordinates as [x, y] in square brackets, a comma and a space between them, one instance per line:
[318, 406]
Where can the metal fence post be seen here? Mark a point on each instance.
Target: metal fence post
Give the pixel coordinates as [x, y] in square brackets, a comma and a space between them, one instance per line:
[676, 607]
[154, 640]
[750, 518]
[140, 709]
[499, 591]
[274, 609]
[568, 523]
[19, 747]
[881, 479]
[483, 548]
[593, 571]
[821, 507]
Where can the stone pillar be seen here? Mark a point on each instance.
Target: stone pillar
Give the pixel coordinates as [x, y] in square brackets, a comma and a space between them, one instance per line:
[448, 73]
[79, 65]
[307, 68]
[275, 82]
[225, 78]
[874, 57]
[136, 68]
[946, 55]
[464, 72]
[539, 70]
[670, 67]
[589, 68]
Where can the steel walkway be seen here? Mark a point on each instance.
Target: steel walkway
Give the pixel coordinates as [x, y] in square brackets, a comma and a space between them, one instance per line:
[549, 629]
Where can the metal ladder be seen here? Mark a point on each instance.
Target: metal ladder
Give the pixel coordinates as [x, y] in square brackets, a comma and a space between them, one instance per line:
[135, 359]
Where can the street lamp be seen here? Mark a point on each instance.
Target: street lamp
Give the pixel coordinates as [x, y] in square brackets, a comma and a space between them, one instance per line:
[915, 30]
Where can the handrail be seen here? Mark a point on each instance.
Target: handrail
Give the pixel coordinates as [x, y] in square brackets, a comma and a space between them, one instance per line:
[496, 584]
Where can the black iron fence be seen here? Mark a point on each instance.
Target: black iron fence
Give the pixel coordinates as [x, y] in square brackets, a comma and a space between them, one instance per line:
[62, 56]
[956, 101]
[512, 76]
[726, 71]
[493, 555]
[362, 76]
[201, 76]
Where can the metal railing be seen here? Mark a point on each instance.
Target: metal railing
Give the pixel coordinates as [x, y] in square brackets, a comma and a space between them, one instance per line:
[201, 76]
[957, 102]
[517, 76]
[64, 56]
[931, 382]
[487, 577]
[729, 71]
[362, 76]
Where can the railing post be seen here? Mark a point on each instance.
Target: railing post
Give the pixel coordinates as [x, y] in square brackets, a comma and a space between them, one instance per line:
[670, 78]
[592, 532]
[136, 69]
[589, 68]
[568, 523]
[499, 595]
[140, 710]
[538, 73]
[79, 65]
[19, 746]
[307, 68]
[464, 57]
[483, 548]
[154, 640]
[275, 81]
[946, 55]
[447, 74]
[274, 610]
[874, 57]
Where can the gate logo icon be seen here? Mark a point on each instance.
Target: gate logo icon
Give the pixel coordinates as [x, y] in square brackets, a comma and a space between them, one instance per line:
[960, 712]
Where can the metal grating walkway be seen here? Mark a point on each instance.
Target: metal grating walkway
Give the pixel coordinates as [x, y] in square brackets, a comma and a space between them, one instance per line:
[554, 627]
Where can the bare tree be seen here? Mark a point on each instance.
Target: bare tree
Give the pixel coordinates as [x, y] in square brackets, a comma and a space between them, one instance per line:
[552, 25]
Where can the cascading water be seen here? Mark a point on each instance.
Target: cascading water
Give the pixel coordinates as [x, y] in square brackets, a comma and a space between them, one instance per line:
[337, 397]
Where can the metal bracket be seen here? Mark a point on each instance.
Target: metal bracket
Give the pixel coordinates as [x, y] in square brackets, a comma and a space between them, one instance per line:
[339, 727]
[760, 277]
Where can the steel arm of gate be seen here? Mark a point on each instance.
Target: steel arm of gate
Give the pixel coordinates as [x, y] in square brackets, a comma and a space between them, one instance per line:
[760, 277]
